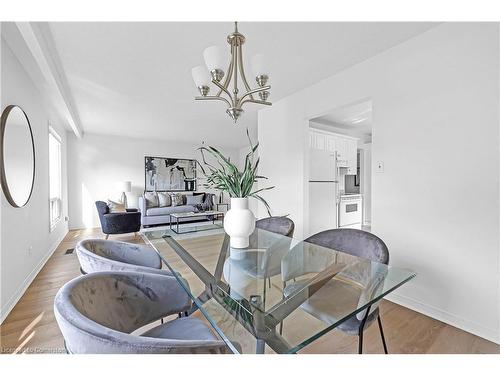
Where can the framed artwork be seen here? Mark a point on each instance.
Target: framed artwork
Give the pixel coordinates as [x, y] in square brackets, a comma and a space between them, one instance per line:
[169, 174]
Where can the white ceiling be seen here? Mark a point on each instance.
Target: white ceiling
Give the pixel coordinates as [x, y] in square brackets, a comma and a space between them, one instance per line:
[356, 117]
[134, 79]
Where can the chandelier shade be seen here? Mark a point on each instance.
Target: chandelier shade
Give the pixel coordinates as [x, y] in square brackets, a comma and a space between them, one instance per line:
[216, 58]
[259, 65]
[200, 76]
[224, 70]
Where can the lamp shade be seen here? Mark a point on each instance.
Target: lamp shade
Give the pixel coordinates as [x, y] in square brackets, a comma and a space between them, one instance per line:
[200, 76]
[125, 186]
[216, 58]
[259, 65]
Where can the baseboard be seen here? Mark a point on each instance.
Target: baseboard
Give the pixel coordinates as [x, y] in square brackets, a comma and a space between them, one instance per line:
[29, 279]
[83, 228]
[446, 317]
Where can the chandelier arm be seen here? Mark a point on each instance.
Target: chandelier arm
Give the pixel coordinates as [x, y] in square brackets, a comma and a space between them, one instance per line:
[229, 71]
[227, 79]
[254, 91]
[223, 89]
[242, 71]
[213, 98]
[234, 51]
[255, 101]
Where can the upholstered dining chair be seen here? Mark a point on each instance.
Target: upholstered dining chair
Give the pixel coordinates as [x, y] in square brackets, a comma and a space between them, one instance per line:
[97, 255]
[100, 312]
[353, 242]
[266, 264]
[277, 224]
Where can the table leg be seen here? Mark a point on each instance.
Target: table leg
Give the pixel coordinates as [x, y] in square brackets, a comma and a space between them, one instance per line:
[202, 298]
[259, 323]
[222, 258]
[260, 347]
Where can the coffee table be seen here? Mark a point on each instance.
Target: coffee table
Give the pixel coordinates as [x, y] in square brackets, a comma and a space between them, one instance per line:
[187, 215]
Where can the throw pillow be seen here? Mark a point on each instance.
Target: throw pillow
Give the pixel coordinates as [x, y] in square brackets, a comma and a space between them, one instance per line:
[202, 194]
[193, 200]
[164, 199]
[177, 199]
[116, 206]
[151, 199]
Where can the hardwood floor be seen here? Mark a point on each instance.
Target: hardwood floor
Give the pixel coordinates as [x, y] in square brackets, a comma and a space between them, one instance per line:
[31, 326]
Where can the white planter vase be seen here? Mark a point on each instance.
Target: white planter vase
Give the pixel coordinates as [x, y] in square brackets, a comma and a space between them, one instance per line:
[239, 223]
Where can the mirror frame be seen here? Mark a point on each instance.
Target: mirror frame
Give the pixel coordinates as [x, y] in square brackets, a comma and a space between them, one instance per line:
[3, 177]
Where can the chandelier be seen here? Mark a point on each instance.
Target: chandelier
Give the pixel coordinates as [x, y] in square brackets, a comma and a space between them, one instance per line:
[226, 81]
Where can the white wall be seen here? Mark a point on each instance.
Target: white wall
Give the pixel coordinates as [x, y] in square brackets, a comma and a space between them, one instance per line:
[98, 162]
[436, 128]
[27, 228]
[366, 181]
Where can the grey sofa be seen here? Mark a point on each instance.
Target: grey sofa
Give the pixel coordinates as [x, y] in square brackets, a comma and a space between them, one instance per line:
[98, 312]
[154, 214]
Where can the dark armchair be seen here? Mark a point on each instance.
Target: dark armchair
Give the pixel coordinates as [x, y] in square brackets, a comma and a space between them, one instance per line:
[118, 222]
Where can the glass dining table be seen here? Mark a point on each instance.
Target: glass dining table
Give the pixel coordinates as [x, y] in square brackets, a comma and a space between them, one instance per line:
[278, 295]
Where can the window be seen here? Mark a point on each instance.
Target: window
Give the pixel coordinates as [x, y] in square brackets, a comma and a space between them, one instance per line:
[55, 178]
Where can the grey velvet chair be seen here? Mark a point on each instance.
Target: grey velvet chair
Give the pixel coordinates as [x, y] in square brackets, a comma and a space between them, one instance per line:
[277, 224]
[118, 222]
[98, 313]
[97, 255]
[358, 243]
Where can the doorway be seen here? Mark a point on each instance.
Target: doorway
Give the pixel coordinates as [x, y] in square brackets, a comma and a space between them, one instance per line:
[340, 166]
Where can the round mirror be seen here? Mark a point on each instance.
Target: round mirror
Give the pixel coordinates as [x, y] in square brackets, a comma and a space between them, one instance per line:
[17, 156]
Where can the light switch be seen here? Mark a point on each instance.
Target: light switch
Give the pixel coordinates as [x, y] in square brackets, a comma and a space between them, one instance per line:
[380, 167]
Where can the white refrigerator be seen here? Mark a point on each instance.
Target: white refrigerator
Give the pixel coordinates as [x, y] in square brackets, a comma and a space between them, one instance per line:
[324, 195]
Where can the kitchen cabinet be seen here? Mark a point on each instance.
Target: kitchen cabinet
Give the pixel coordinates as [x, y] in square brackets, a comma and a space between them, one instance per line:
[341, 148]
[352, 156]
[346, 147]
[330, 144]
[317, 140]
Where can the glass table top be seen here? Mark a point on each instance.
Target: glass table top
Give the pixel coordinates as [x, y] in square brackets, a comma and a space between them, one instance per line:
[277, 295]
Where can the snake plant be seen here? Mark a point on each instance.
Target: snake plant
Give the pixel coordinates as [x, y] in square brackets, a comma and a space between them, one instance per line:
[225, 175]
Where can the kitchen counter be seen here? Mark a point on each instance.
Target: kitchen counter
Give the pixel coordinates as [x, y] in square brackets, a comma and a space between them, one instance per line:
[350, 195]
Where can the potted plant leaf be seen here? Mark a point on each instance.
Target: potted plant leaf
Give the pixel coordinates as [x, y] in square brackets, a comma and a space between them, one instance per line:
[224, 175]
